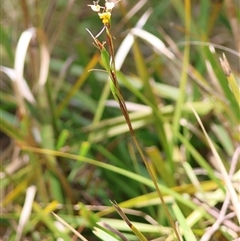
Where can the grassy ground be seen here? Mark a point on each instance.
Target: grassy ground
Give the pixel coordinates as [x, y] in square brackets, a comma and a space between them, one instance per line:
[69, 167]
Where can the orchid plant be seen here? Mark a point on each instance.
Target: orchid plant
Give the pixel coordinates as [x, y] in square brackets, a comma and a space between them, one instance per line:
[105, 13]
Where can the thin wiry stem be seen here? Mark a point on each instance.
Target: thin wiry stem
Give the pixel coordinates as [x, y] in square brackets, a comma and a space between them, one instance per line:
[124, 111]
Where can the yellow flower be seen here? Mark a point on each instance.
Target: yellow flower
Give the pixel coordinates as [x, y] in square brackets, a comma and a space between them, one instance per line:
[105, 16]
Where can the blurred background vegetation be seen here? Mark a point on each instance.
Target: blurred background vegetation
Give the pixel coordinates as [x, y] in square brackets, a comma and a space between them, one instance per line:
[65, 147]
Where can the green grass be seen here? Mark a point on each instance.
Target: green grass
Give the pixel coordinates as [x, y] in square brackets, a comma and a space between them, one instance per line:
[69, 168]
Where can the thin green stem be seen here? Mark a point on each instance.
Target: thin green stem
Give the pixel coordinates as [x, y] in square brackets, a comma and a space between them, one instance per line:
[119, 97]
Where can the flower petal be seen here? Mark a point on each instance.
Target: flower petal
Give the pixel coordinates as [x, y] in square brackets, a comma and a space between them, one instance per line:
[109, 5]
[95, 8]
